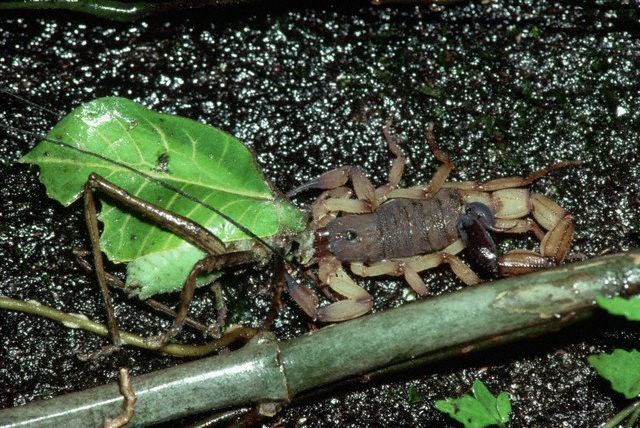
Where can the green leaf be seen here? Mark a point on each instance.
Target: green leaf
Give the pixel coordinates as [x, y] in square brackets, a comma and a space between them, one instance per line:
[481, 410]
[621, 368]
[199, 159]
[629, 308]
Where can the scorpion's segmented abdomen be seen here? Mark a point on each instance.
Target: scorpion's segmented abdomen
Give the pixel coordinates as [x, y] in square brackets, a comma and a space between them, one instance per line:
[398, 228]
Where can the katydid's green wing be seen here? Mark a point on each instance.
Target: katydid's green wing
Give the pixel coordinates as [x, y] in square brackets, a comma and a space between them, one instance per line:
[201, 160]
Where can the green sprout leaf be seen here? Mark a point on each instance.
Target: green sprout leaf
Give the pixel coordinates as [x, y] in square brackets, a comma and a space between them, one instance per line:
[621, 368]
[415, 397]
[629, 308]
[481, 410]
[201, 160]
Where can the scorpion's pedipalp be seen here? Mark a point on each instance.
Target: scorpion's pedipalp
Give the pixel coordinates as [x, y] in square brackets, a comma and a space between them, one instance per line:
[320, 213]
[343, 310]
[352, 206]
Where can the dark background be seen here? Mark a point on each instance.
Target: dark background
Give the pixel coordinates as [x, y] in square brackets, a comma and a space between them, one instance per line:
[511, 87]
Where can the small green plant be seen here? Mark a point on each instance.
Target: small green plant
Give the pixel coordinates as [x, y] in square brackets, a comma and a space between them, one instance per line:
[481, 410]
[620, 367]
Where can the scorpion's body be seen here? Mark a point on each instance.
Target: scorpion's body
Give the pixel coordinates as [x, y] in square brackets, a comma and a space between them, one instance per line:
[398, 228]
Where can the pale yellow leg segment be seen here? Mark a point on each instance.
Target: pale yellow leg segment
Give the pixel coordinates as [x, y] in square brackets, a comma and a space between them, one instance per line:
[397, 166]
[357, 300]
[511, 203]
[559, 224]
[321, 215]
[357, 303]
[520, 226]
[461, 270]
[510, 182]
[438, 179]
[414, 280]
[509, 206]
[410, 267]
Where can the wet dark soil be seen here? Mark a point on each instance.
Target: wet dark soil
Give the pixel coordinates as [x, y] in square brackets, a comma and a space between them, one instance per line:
[510, 86]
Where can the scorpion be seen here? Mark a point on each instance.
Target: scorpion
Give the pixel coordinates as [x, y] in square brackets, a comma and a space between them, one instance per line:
[404, 231]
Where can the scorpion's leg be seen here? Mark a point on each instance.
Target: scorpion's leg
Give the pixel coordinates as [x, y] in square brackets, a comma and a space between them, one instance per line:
[437, 181]
[397, 166]
[509, 182]
[368, 197]
[411, 266]
[181, 226]
[338, 177]
[322, 212]
[357, 300]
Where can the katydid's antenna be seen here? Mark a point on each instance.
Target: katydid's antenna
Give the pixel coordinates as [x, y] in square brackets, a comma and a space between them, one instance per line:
[31, 103]
[162, 183]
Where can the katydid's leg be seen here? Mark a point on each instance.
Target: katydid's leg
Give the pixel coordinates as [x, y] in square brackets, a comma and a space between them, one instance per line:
[116, 282]
[221, 310]
[129, 402]
[179, 225]
[206, 265]
[276, 301]
[91, 219]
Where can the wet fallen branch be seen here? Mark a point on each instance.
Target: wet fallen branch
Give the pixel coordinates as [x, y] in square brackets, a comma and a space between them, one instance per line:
[117, 10]
[267, 371]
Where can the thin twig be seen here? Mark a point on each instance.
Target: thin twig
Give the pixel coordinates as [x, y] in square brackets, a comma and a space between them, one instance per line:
[622, 415]
[176, 349]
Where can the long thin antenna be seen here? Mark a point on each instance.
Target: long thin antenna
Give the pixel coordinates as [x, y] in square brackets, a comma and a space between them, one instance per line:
[31, 103]
[150, 178]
